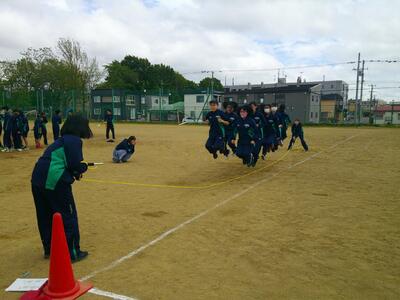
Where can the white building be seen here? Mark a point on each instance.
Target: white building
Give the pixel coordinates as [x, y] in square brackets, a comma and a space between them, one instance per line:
[196, 103]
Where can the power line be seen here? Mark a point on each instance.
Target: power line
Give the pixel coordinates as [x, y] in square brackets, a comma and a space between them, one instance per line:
[276, 68]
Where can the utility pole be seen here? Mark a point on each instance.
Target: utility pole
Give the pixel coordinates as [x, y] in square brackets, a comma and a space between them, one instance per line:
[370, 104]
[361, 92]
[357, 79]
[391, 117]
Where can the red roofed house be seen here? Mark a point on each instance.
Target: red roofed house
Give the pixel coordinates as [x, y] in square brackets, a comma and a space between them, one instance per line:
[387, 114]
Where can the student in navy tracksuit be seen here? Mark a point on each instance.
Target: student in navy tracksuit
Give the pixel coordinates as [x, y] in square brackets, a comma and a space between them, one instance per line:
[124, 150]
[297, 132]
[55, 122]
[44, 128]
[247, 130]
[7, 128]
[52, 178]
[1, 127]
[231, 117]
[24, 127]
[109, 119]
[269, 138]
[216, 119]
[37, 130]
[16, 130]
[284, 121]
[259, 119]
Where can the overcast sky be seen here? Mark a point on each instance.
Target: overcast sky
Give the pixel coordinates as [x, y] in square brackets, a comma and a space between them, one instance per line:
[195, 35]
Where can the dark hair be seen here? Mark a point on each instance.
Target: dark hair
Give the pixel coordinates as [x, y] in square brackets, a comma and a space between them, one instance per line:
[261, 107]
[5, 107]
[253, 103]
[131, 138]
[213, 102]
[57, 111]
[245, 108]
[268, 105]
[77, 125]
[282, 107]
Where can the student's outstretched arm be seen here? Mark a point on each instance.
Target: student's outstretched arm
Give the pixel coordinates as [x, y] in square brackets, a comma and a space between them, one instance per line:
[74, 156]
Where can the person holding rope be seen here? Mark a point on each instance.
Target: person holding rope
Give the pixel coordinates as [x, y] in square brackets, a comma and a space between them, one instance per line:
[297, 132]
[52, 178]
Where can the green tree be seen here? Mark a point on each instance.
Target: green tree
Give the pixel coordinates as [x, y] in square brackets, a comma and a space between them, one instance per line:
[206, 83]
[139, 74]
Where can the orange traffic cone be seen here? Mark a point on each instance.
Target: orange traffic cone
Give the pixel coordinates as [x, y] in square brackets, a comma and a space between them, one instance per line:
[61, 283]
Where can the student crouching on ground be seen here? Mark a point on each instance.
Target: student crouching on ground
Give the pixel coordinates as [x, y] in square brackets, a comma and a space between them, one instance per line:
[124, 150]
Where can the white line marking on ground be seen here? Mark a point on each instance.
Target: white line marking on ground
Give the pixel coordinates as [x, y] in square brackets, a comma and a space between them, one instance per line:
[191, 220]
[110, 295]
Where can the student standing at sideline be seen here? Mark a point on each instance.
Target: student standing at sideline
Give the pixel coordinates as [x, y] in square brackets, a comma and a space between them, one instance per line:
[297, 132]
[52, 178]
[1, 127]
[7, 128]
[44, 128]
[124, 150]
[216, 119]
[24, 127]
[37, 131]
[109, 119]
[16, 130]
[55, 122]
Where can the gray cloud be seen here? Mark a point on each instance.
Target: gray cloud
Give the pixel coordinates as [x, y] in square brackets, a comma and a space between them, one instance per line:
[194, 35]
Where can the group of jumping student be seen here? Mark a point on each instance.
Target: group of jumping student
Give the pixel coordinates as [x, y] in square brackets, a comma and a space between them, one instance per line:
[259, 128]
[14, 127]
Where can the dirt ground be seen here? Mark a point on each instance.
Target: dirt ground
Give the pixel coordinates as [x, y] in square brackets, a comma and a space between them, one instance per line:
[318, 225]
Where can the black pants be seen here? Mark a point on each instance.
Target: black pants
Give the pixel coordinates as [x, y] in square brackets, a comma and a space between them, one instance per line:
[44, 134]
[110, 127]
[303, 142]
[215, 144]
[7, 139]
[228, 141]
[17, 142]
[47, 203]
[56, 132]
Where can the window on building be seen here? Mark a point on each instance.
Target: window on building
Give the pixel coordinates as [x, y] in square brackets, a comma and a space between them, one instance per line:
[130, 99]
[199, 99]
[97, 99]
[311, 115]
[117, 111]
[97, 111]
[312, 98]
[143, 100]
[316, 115]
[156, 101]
[117, 99]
